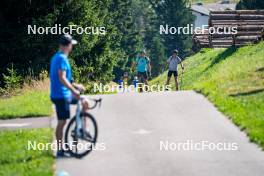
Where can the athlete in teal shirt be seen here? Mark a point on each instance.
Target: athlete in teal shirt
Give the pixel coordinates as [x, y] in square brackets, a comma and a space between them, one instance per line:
[143, 66]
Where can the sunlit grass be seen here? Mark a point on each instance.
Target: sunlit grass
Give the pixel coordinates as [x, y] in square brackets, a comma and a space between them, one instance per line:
[233, 79]
[16, 159]
[30, 102]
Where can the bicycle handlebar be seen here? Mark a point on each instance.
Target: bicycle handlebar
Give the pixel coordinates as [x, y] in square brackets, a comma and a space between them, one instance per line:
[97, 102]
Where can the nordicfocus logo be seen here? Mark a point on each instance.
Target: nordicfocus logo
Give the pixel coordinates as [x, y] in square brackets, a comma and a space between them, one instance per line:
[34, 145]
[191, 145]
[189, 29]
[71, 29]
[101, 88]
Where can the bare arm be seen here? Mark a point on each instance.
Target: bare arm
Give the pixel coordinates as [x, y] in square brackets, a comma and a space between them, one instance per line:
[133, 65]
[149, 67]
[168, 60]
[79, 87]
[182, 65]
[67, 84]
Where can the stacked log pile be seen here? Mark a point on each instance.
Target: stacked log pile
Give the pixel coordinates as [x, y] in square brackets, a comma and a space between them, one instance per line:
[249, 25]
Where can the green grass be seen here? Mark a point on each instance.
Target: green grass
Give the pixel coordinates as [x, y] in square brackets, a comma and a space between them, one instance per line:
[17, 160]
[30, 103]
[233, 79]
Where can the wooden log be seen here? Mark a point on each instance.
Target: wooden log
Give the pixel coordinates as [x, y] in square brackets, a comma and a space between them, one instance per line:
[238, 23]
[222, 41]
[241, 28]
[200, 34]
[202, 37]
[235, 17]
[232, 42]
[249, 33]
[221, 46]
[219, 37]
[237, 20]
[247, 38]
[238, 12]
[249, 28]
[231, 16]
[203, 41]
[240, 33]
[234, 21]
[227, 45]
[245, 43]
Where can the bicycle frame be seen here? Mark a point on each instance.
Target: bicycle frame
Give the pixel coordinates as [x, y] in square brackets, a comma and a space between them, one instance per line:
[79, 124]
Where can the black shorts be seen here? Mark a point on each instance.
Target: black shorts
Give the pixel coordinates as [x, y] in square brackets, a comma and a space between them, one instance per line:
[63, 106]
[142, 75]
[175, 73]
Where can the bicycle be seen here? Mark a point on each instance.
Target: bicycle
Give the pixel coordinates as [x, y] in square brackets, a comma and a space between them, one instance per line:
[77, 130]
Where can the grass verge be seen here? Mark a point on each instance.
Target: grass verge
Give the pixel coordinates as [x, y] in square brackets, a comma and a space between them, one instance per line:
[17, 160]
[233, 79]
[29, 103]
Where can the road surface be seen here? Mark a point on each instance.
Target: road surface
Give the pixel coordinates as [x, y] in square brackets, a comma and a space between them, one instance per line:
[29, 123]
[133, 126]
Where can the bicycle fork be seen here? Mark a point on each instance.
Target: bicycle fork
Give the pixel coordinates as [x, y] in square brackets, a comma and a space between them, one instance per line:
[79, 124]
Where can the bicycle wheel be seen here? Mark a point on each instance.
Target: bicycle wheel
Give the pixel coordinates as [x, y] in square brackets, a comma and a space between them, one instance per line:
[81, 146]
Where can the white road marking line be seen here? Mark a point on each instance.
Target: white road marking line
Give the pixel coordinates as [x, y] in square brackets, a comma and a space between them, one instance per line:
[14, 125]
[62, 173]
[142, 131]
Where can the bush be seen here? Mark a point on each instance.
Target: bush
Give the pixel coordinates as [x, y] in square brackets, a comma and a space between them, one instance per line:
[12, 80]
[43, 75]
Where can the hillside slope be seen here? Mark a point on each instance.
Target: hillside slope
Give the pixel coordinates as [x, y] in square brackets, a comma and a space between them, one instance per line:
[233, 79]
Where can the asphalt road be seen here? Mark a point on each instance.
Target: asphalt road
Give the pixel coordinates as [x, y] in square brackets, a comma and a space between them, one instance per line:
[19, 123]
[133, 126]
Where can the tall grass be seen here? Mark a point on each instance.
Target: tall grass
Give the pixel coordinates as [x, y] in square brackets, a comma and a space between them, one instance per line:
[31, 101]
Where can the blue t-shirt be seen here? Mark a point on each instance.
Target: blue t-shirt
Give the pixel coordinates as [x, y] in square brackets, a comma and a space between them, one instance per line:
[59, 62]
[142, 64]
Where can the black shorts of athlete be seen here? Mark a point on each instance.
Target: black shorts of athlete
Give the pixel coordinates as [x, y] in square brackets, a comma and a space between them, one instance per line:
[143, 75]
[175, 73]
[63, 106]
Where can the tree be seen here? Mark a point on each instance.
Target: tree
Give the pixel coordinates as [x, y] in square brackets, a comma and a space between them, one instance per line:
[174, 14]
[95, 55]
[146, 21]
[16, 46]
[250, 4]
[123, 19]
[158, 56]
